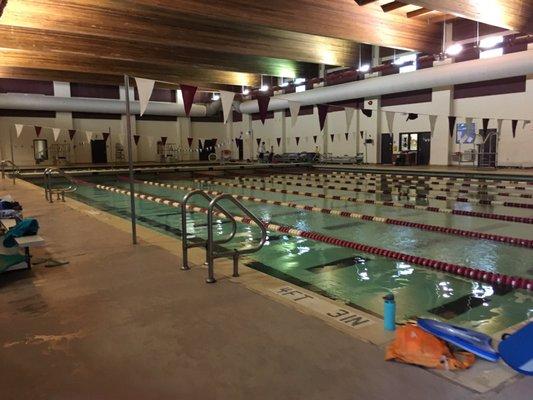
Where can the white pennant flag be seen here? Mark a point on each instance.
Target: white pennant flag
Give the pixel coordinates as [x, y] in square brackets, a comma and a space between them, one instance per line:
[349, 111]
[432, 123]
[294, 108]
[56, 131]
[227, 101]
[390, 120]
[88, 135]
[19, 128]
[145, 87]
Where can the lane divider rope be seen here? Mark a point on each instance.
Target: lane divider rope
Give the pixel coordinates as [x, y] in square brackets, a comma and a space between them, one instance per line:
[475, 214]
[372, 218]
[454, 269]
[377, 191]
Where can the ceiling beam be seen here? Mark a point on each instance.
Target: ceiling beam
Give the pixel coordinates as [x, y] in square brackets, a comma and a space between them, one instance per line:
[364, 2]
[341, 19]
[418, 12]
[510, 14]
[392, 6]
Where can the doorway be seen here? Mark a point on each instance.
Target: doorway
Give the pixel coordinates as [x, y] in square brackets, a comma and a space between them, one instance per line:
[417, 144]
[99, 151]
[240, 147]
[386, 148]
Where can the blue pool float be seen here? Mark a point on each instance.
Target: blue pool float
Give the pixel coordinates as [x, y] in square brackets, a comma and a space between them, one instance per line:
[467, 339]
[517, 350]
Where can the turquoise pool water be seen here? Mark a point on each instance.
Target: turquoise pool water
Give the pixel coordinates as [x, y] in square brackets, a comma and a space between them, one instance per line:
[357, 278]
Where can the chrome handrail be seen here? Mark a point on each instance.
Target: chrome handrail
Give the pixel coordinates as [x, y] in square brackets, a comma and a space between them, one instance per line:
[211, 255]
[15, 170]
[184, 240]
[49, 190]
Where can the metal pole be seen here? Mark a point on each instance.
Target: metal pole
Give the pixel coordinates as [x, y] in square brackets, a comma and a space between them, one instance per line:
[130, 160]
[12, 157]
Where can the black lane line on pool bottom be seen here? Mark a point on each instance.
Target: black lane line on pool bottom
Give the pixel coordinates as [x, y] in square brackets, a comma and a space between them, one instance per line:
[333, 265]
[340, 226]
[464, 304]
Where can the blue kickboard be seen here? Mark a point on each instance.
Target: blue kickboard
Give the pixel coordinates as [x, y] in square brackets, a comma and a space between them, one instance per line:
[517, 350]
[467, 339]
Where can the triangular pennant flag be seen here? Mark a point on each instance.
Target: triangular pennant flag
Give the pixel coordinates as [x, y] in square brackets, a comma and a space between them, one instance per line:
[71, 133]
[514, 123]
[262, 102]
[411, 116]
[227, 101]
[189, 140]
[332, 136]
[322, 114]
[349, 111]
[56, 132]
[485, 125]
[278, 140]
[390, 120]
[432, 123]
[200, 144]
[136, 139]
[315, 137]
[258, 140]
[18, 128]
[451, 124]
[346, 135]
[368, 113]
[88, 135]
[164, 140]
[187, 94]
[145, 87]
[297, 140]
[294, 108]
[214, 141]
[361, 134]
[105, 136]
[527, 121]
[500, 122]
[38, 130]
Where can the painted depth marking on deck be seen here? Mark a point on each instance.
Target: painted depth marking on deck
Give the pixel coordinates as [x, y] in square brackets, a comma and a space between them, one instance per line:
[349, 318]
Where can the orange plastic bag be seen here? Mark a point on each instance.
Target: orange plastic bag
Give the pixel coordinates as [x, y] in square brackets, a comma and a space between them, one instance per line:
[413, 345]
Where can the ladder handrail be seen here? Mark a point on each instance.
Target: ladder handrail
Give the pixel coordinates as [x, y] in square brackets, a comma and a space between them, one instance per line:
[184, 240]
[236, 253]
[15, 170]
[48, 190]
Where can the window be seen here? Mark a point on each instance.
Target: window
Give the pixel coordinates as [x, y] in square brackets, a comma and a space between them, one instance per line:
[300, 88]
[491, 53]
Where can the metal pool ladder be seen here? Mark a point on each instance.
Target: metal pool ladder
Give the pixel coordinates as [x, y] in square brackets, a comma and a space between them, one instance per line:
[49, 191]
[14, 169]
[210, 243]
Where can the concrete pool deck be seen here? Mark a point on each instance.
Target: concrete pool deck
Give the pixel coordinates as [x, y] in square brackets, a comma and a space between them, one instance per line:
[122, 321]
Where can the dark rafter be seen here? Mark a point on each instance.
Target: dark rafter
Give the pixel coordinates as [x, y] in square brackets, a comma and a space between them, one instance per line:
[393, 6]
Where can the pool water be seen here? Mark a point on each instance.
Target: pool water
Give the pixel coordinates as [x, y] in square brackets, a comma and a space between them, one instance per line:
[358, 279]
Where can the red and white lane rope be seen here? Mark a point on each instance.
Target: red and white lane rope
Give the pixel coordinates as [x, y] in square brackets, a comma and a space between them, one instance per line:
[376, 191]
[509, 218]
[348, 214]
[454, 269]
[406, 184]
[446, 178]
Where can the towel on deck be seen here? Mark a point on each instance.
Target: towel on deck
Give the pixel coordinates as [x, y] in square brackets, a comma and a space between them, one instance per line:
[26, 227]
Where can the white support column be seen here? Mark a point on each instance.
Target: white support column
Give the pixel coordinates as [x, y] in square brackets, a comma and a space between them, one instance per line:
[64, 119]
[441, 142]
[184, 132]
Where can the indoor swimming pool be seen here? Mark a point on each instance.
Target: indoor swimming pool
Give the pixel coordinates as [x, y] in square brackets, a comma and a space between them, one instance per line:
[358, 278]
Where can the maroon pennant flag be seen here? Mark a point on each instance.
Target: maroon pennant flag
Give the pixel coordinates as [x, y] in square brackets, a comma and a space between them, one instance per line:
[71, 133]
[332, 136]
[514, 122]
[189, 140]
[451, 124]
[368, 113]
[38, 130]
[297, 140]
[346, 135]
[214, 141]
[278, 140]
[136, 138]
[322, 114]
[315, 138]
[411, 116]
[262, 102]
[164, 140]
[187, 93]
[105, 135]
[258, 140]
[485, 125]
[361, 134]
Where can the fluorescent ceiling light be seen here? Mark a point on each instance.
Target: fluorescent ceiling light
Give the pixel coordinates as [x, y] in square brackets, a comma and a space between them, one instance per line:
[364, 68]
[491, 53]
[246, 91]
[215, 97]
[489, 42]
[300, 88]
[264, 88]
[454, 49]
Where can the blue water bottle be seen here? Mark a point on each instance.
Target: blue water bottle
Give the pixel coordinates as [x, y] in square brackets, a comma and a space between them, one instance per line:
[389, 313]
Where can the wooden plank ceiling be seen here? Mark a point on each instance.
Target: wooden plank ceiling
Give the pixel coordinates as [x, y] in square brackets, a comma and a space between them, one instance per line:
[205, 42]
